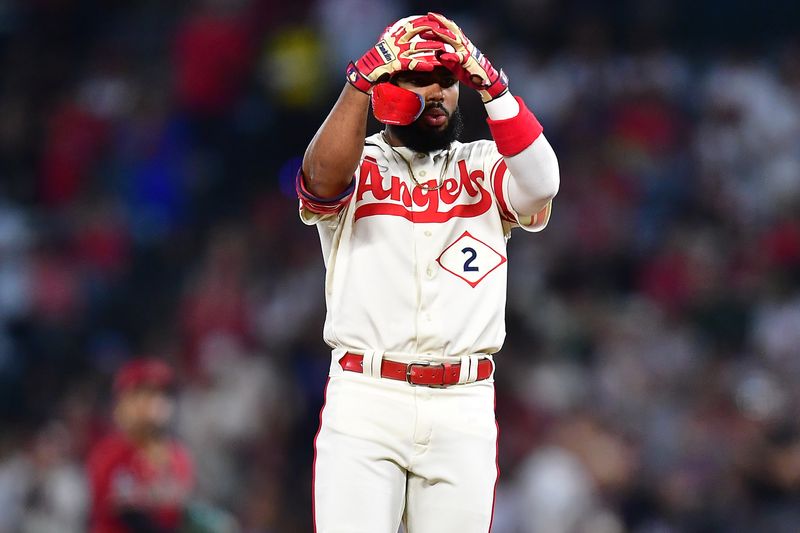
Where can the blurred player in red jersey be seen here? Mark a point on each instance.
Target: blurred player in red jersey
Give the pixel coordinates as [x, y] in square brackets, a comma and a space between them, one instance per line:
[141, 477]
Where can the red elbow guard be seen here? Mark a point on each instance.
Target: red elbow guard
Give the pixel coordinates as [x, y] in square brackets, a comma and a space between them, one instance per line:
[513, 135]
[396, 106]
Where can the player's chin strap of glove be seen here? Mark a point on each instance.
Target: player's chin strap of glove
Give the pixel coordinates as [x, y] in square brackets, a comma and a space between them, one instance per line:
[396, 106]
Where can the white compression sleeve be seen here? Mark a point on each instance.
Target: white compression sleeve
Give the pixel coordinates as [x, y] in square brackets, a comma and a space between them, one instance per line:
[534, 177]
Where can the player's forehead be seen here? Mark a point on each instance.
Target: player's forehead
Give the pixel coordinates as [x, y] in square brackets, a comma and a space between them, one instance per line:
[144, 392]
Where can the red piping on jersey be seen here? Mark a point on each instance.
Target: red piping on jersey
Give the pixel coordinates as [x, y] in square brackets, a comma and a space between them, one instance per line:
[314, 464]
[498, 175]
[496, 461]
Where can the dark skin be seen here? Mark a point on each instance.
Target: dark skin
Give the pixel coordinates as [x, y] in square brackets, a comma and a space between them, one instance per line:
[333, 155]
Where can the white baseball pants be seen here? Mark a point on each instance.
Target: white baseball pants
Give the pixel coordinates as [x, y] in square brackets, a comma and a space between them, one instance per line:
[388, 452]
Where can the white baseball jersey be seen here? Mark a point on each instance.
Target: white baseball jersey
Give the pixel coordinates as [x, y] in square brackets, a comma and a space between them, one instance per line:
[412, 271]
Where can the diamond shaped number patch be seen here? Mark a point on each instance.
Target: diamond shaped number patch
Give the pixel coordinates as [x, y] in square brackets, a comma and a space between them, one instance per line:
[470, 259]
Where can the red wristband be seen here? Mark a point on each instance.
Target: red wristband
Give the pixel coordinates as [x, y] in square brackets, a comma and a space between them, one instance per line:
[315, 204]
[513, 135]
[355, 78]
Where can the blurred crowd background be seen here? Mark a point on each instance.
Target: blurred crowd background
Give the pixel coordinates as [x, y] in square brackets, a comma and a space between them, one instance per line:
[650, 380]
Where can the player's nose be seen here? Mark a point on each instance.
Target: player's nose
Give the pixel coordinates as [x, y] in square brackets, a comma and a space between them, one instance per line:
[434, 93]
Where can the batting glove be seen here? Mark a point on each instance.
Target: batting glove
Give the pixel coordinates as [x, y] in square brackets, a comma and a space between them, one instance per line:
[399, 48]
[467, 63]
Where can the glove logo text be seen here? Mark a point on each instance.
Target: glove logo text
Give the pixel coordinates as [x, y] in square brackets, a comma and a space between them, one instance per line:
[385, 51]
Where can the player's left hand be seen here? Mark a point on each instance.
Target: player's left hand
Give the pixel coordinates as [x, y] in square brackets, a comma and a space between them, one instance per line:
[467, 63]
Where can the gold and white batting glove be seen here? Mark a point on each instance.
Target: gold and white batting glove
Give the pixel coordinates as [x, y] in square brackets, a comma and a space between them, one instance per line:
[467, 63]
[399, 48]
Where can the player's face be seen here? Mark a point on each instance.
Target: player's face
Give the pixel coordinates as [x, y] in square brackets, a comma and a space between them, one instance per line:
[144, 411]
[440, 122]
[440, 91]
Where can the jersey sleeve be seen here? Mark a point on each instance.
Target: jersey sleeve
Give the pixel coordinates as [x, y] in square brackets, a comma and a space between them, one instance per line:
[314, 209]
[499, 176]
[103, 460]
[98, 473]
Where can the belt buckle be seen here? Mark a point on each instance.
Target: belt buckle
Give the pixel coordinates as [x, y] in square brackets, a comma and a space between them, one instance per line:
[423, 363]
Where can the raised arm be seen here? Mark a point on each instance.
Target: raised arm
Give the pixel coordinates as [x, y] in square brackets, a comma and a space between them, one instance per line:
[333, 154]
[534, 178]
[533, 165]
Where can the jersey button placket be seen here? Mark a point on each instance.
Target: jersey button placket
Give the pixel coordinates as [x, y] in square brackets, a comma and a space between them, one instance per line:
[431, 271]
[429, 335]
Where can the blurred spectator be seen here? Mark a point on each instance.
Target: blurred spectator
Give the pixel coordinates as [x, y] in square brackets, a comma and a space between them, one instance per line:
[214, 300]
[565, 484]
[141, 477]
[237, 397]
[772, 479]
[56, 493]
[15, 242]
[74, 142]
[212, 53]
[347, 24]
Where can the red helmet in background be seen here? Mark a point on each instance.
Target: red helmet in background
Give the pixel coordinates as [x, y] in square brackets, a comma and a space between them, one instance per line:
[144, 372]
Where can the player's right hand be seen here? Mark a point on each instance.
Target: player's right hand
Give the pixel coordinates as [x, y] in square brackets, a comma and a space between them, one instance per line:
[397, 49]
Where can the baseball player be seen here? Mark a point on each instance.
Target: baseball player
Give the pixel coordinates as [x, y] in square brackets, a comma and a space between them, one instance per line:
[140, 477]
[413, 226]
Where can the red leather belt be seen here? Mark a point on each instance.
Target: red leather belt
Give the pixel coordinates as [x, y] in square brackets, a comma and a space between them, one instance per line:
[417, 373]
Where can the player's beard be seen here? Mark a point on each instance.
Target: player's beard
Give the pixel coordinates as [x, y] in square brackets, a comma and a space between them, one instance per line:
[420, 137]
